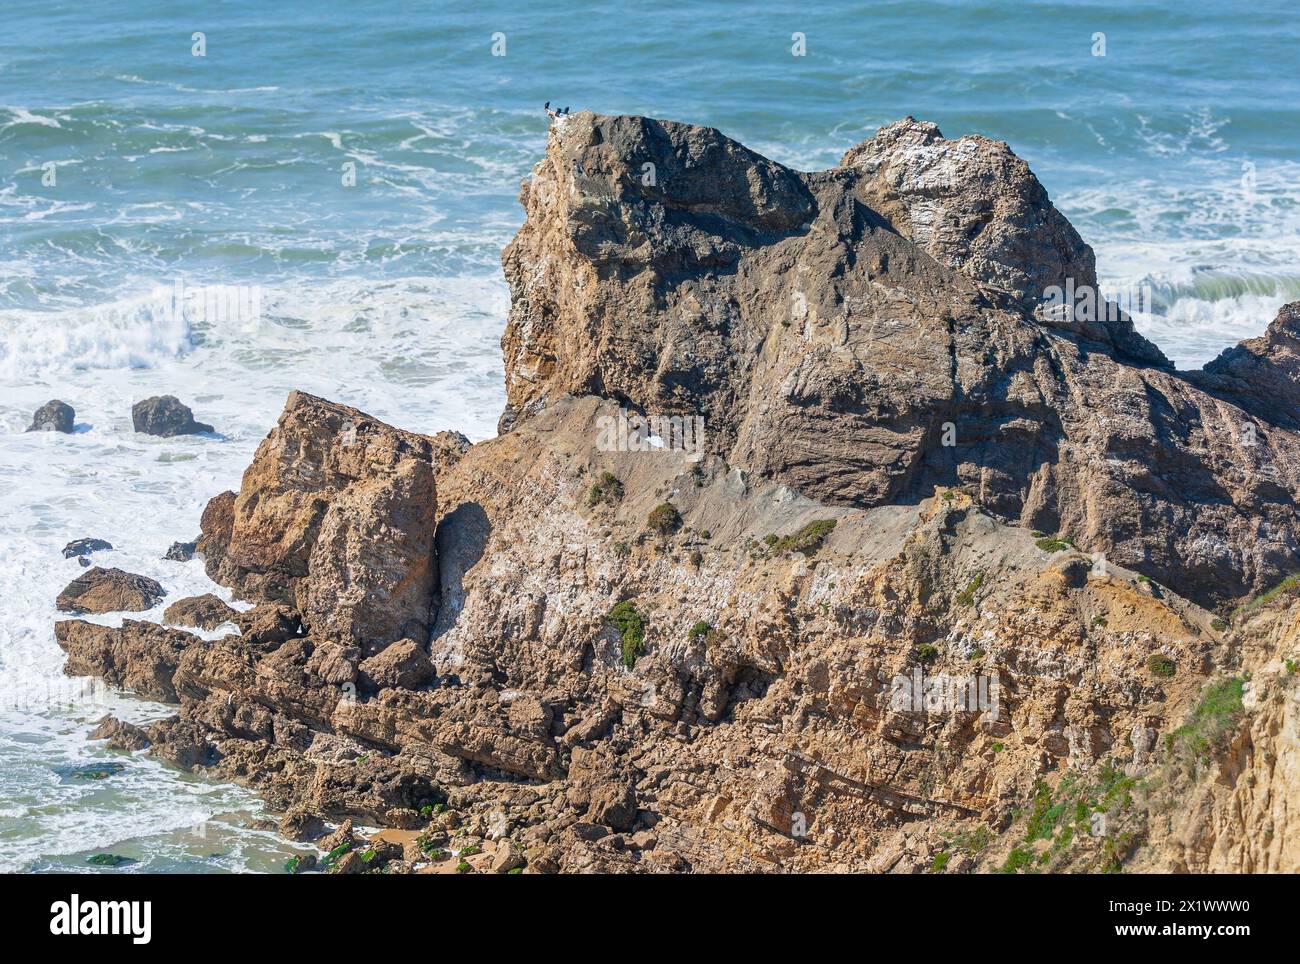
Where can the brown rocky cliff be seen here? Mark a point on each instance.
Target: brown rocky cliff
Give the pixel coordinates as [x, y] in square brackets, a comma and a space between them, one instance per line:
[434, 619]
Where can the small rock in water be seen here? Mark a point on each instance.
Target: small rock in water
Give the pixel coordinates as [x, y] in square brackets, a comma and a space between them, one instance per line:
[108, 860]
[53, 416]
[165, 415]
[300, 864]
[84, 547]
[181, 551]
[108, 591]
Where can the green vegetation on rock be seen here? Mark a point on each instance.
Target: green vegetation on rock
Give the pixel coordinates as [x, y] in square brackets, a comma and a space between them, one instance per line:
[967, 596]
[807, 540]
[631, 627]
[1264, 598]
[1161, 666]
[1213, 718]
[699, 631]
[1054, 545]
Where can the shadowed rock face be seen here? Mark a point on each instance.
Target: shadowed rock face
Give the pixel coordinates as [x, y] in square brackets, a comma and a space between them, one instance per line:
[833, 327]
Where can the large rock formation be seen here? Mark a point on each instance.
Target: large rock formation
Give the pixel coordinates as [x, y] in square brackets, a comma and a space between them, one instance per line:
[334, 517]
[849, 650]
[667, 267]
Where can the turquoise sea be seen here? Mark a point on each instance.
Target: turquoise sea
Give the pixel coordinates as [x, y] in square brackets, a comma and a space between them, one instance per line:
[1168, 132]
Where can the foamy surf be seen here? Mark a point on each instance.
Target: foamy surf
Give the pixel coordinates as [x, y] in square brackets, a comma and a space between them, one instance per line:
[419, 352]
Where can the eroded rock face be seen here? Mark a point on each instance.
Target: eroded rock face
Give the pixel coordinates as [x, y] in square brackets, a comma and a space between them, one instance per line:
[403, 665]
[100, 590]
[167, 416]
[53, 416]
[851, 334]
[334, 518]
[138, 656]
[1262, 375]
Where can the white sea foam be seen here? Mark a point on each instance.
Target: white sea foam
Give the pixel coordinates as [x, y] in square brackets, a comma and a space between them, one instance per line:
[421, 353]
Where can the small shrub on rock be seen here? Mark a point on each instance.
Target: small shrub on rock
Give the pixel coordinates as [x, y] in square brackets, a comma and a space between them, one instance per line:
[664, 519]
[606, 489]
[1161, 666]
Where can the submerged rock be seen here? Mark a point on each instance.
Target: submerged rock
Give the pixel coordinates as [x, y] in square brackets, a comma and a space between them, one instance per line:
[109, 590]
[109, 860]
[165, 415]
[53, 416]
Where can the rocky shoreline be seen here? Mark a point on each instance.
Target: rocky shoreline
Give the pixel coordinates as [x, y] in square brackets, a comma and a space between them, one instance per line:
[951, 581]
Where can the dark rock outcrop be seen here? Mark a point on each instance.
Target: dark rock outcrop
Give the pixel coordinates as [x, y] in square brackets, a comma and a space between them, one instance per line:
[80, 548]
[165, 415]
[102, 590]
[53, 416]
[180, 551]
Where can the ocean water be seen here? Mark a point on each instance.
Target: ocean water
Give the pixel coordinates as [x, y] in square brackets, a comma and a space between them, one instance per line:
[131, 170]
